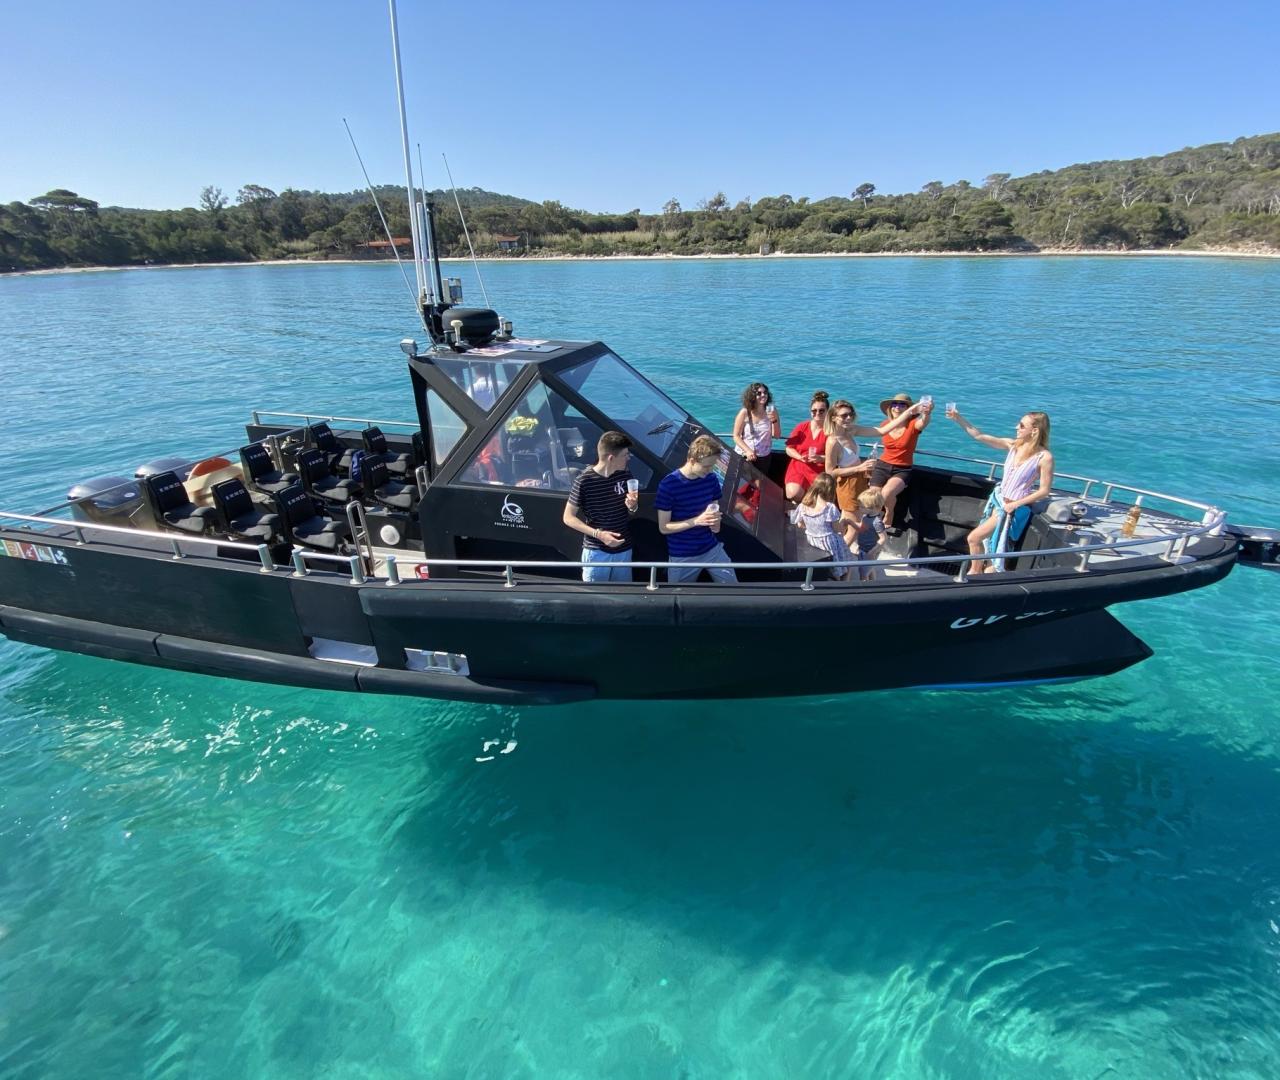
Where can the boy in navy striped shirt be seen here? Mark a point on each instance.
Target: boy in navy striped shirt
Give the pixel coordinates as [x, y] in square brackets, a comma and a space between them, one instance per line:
[600, 507]
[688, 505]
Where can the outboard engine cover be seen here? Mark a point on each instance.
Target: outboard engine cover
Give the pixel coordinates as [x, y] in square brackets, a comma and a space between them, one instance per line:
[178, 465]
[108, 500]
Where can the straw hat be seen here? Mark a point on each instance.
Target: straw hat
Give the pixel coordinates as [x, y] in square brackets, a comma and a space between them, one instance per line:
[904, 398]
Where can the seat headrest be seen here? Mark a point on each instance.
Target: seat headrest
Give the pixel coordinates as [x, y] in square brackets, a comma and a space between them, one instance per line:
[255, 459]
[375, 473]
[374, 440]
[166, 491]
[232, 499]
[312, 466]
[295, 505]
[323, 437]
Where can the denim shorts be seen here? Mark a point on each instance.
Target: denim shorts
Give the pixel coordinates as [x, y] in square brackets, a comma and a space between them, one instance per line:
[601, 565]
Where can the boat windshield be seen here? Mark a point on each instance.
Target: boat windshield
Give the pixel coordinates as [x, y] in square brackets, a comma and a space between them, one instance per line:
[483, 381]
[543, 442]
[635, 405]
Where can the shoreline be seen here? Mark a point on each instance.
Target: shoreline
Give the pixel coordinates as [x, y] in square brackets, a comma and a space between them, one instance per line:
[1056, 253]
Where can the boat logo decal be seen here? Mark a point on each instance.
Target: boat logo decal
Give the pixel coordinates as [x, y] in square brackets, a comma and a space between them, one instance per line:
[965, 623]
[512, 515]
[34, 552]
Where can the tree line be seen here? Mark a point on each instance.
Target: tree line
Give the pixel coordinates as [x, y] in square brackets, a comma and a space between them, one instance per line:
[1218, 196]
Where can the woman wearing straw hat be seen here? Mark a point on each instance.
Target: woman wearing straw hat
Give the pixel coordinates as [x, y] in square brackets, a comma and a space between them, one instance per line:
[892, 472]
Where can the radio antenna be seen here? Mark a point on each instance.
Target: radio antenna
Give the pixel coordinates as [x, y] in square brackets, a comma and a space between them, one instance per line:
[465, 231]
[383, 218]
[418, 268]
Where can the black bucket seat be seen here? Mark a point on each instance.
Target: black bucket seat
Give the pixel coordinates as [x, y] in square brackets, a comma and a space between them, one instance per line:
[375, 442]
[172, 506]
[260, 471]
[305, 524]
[320, 483]
[379, 486]
[240, 517]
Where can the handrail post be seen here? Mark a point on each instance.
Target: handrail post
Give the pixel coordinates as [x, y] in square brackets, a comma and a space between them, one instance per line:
[264, 554]
[963, 576]
[393, 571]
[1084, 560]
[177, 551]
[808, 581]
[1106, 493]
[357, 569]
[653, 579]
[80, 540]
[510, 576]
[299, 564]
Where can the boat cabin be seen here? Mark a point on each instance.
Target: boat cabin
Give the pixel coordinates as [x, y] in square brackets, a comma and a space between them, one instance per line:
[505, 429]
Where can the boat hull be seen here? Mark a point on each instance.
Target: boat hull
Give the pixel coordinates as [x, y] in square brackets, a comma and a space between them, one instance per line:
[543, 642]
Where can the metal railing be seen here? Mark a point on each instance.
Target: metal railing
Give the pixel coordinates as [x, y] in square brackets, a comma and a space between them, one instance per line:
[309, 418]
[1174, 543]
[175, 541]
[1175, 538]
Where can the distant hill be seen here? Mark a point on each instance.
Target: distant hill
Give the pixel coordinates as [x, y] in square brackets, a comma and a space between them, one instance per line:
[1223, 196]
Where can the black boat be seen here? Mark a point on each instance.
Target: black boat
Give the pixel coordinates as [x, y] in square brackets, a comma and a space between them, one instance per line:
[447, 571]
[444, 570]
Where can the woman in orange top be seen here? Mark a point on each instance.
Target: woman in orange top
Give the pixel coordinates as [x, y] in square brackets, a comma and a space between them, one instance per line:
[892, 472]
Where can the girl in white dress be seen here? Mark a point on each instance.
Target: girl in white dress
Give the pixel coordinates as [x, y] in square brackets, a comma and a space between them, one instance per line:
[821, 519]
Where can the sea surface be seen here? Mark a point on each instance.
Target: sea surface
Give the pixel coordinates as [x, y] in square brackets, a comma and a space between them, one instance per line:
[208, 878]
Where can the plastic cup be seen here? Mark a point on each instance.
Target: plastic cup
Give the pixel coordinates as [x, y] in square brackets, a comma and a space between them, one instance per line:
[927, 401]
[633, 486]
[951, 408]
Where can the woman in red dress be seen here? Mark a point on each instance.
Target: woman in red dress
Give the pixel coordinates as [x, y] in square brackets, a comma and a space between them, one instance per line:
[807, 447]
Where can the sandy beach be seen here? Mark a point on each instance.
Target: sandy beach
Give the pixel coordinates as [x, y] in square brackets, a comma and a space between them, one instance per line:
[1210, 253]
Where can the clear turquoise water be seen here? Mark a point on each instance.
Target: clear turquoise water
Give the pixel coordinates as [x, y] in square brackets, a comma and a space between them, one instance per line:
[208, 878]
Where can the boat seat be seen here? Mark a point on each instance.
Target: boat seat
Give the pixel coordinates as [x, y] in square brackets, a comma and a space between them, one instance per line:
[379, 486]
[260, 472]
[239, 516]
[304, 523]
[398, 465]
[336, 456]
[321, 484]
[172, 507]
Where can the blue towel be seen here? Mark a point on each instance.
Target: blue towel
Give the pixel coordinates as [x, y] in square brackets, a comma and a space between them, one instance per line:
[1017, 525]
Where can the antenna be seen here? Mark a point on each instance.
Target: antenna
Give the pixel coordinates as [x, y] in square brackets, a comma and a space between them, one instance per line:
[418, 268]
[465, 231]
[383, 218]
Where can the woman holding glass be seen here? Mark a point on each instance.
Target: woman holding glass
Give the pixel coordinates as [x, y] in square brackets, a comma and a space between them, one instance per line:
[756, 426]
[1027, 478]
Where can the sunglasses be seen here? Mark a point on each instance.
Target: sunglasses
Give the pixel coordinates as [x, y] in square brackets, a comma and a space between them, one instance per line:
[843, 415]
[898, 405]
[816, 412]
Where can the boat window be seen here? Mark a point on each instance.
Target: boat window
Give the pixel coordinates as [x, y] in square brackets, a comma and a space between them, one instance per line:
[483, 381]
[747, 492]
[447, 427]
[635, 405]
[543, 442]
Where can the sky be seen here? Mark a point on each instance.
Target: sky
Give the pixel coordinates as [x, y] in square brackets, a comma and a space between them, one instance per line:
[612, 106]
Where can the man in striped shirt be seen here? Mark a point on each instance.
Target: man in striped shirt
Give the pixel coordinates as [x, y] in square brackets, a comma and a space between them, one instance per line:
[600, 507]
[688, 505]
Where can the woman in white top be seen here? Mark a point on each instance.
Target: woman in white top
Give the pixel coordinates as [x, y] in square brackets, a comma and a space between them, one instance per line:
[844, 461]
[1028, 478]
[756, 426]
